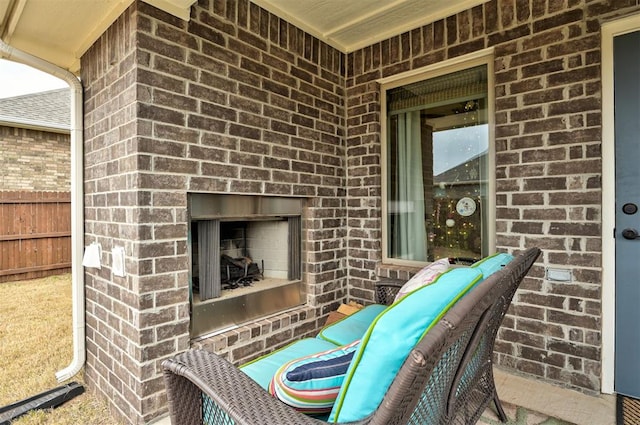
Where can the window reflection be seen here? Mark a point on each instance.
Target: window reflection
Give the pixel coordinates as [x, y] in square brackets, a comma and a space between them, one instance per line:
[437, 153]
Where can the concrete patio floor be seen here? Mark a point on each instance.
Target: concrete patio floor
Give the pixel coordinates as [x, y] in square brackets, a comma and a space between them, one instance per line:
[531, 402]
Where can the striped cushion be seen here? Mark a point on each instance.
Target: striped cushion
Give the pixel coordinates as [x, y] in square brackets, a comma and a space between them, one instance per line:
[264, 368]
[310, 384]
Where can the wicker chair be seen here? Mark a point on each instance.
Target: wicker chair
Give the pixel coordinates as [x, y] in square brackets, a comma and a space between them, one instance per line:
[446, 379]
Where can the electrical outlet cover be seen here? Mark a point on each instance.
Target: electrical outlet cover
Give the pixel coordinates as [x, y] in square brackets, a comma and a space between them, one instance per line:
[92, 255]
[117, 261]
[559, 275]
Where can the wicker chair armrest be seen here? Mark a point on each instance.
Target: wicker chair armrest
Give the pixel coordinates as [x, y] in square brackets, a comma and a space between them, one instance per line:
[202, 383]
[387, 289]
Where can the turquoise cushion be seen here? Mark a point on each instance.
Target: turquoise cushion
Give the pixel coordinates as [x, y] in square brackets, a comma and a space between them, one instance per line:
[264, 368]
[388, 341]
[493, 263]
[351, 327]
[310, 384]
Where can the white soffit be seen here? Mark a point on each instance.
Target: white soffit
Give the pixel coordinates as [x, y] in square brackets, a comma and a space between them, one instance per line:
[349, 25]
[61, 31]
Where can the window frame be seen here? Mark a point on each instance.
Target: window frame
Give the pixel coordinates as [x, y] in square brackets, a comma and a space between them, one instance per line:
[481, 57]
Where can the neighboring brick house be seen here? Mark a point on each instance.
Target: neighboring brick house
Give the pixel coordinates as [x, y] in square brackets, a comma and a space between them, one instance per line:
[239, 101]
[34, 141]
[35, 183]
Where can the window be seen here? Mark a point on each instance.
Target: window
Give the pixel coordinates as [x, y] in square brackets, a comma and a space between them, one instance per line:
[437, 179]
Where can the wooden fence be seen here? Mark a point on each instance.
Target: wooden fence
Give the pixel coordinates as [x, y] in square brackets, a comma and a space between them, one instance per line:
[35, 234]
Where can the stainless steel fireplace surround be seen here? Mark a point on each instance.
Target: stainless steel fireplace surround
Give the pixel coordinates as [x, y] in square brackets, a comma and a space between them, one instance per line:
[244, 225]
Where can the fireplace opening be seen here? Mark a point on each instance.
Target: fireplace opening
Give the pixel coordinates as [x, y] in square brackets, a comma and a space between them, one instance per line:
[246, 258]
[257, 253]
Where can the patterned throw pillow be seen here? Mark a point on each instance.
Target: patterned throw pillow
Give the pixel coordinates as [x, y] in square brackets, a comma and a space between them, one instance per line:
[424, 277]
[310, 384]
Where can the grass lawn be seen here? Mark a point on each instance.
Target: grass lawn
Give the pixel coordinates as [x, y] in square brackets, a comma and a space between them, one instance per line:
[35, 343]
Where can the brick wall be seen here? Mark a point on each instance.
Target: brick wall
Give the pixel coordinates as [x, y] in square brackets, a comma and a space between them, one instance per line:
[117, 366]
[547, 140]
[34, 160]
[233, 101]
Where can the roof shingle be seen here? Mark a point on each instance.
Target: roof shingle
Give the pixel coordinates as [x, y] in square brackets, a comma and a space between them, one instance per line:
[49, 109]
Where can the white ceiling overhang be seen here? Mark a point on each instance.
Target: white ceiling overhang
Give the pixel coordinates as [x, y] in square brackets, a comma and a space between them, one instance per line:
[60, 31]
[349, 25]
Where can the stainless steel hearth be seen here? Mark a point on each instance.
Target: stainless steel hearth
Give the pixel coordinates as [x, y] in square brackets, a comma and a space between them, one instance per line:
[246, 258]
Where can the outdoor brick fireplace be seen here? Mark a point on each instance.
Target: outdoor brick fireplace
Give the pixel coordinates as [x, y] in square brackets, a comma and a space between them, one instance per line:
[245, 257]
[207, 109]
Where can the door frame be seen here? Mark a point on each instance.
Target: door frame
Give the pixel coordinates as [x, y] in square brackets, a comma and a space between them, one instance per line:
[609, 30]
